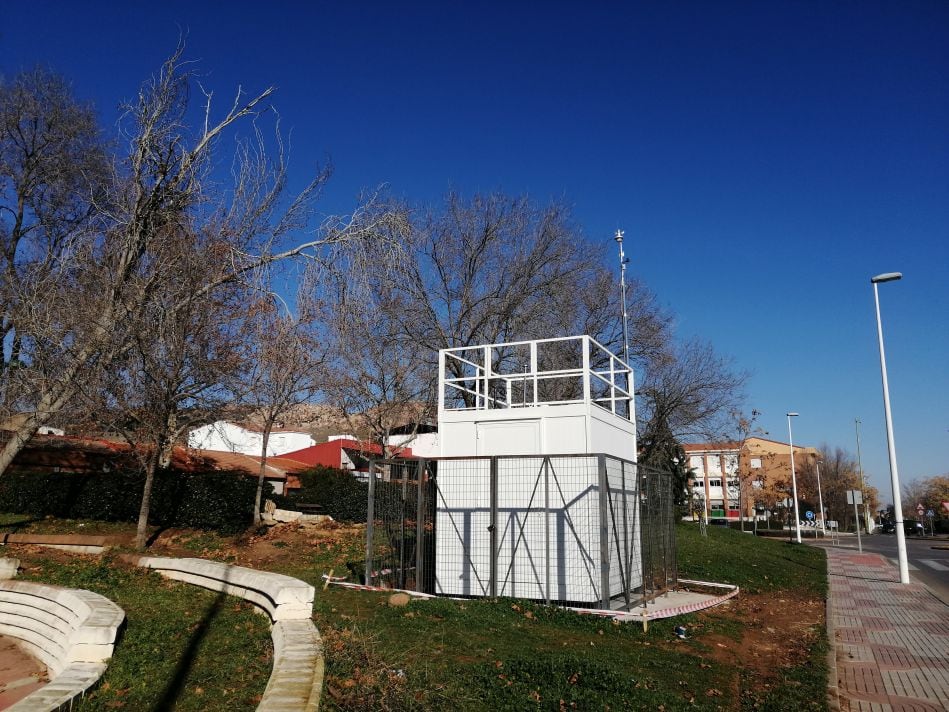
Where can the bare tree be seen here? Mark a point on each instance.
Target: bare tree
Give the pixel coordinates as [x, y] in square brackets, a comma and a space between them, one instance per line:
[743, 427]
[931, 492]
[287, 359]
[182, 351]
[688, 391]
[52, 172]
[377, 378]
[106, 278]
[489, 269]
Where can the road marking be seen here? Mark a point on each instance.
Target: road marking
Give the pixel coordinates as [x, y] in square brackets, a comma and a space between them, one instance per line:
[933, 564]
[896, 563]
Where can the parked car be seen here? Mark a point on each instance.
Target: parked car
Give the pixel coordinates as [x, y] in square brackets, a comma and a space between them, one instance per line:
[718, 522]
[913, 528]
[910, 527]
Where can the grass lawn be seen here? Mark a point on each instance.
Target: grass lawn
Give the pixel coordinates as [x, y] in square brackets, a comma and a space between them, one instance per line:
[764, 650]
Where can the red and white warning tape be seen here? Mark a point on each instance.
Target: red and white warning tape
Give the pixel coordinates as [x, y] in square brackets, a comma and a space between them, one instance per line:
[640, 614]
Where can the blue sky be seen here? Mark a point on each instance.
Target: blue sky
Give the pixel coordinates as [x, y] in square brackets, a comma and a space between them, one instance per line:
[764, 159]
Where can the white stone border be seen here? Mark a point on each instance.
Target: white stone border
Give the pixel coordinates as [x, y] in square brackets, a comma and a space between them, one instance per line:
[297, 678]
[71, 631]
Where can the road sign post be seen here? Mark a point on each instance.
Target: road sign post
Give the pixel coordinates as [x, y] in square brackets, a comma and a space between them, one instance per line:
[855, 497]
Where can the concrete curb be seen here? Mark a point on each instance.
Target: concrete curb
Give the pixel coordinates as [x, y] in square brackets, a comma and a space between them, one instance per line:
[833, 691]
[296, 681]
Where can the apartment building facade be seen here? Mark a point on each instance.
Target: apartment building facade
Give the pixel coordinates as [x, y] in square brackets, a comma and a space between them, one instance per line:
[718, 486]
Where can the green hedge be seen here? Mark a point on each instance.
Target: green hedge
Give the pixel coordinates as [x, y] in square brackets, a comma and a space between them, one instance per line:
[222, 501]
[342, 496]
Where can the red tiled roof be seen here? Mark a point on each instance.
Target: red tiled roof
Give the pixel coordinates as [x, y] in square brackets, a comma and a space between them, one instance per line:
[329, 454]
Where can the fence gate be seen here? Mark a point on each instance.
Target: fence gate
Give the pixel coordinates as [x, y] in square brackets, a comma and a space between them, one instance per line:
[400, 525]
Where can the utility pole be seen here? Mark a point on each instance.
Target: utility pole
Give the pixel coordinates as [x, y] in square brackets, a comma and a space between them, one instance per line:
[623, 261]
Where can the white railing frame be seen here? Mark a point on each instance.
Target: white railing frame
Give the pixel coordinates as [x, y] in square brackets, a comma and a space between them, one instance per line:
[478, 384]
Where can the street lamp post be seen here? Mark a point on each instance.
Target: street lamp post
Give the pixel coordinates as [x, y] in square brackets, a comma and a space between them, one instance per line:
[820, 501]
[891, 445]
[797, 517]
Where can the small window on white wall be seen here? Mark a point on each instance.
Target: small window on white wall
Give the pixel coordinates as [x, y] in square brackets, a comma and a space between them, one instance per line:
[756, 463]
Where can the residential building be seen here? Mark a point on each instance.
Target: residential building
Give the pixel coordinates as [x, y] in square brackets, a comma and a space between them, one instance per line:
[717, 484]
[420, 438]
[247, 439]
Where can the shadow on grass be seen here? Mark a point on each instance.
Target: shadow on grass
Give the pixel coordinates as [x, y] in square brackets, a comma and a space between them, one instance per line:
[176, 685]
[15, 527]
[155, 534]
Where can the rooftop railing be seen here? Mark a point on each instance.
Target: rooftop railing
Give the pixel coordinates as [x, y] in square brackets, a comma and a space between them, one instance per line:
[526, 374]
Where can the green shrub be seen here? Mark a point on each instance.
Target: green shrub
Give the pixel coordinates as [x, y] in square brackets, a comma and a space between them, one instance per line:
[222, 501]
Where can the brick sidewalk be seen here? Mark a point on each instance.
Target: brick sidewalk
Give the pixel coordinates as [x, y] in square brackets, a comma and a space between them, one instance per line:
[891, 640]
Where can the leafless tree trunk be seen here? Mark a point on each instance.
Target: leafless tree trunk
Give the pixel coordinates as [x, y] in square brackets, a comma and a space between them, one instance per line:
[287, 359]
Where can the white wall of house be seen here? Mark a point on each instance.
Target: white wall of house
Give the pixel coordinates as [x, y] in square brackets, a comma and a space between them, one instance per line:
[422, 444]
[230, 437]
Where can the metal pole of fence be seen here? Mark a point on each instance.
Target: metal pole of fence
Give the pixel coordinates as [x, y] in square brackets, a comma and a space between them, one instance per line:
[637, 525]
[370, 515]
[546, 467]
[403, 469]
[420, 524]
[493, 527]
[604, 533]
[664, 517]
[643, 505]
[672, 534]
[627, 589]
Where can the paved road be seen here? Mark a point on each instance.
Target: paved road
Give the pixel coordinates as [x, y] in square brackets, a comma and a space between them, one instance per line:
[928, 564]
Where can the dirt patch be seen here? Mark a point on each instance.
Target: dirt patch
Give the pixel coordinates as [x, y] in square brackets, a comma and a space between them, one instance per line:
[764, 635]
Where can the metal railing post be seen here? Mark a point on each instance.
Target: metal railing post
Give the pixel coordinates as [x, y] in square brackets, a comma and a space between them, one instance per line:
[604, 533]
[493, 528]
[370, 515]
[546, 466]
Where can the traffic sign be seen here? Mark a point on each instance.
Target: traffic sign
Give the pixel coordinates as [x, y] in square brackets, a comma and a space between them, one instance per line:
[854, 497]
[930, 513]
[809, 514]
[920, 509]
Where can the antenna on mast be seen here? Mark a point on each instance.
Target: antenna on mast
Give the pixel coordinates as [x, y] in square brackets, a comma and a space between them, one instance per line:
[623, 261]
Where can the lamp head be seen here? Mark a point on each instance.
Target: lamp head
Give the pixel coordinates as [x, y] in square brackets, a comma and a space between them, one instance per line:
[619, 236]
[886, 277]
[792, 415]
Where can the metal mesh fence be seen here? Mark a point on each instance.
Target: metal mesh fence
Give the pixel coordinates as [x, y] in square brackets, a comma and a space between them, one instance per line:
[400, 544]
[589, 530]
